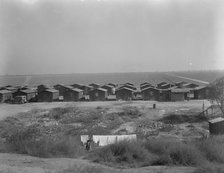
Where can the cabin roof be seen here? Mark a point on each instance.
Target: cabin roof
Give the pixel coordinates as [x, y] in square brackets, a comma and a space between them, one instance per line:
[216, 120]
[5, 91]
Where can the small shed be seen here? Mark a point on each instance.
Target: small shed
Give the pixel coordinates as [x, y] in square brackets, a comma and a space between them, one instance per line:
[164, 95]
[5, 95]
[41, 88]
[48, 95]
[98, 94]
[29, 93]
[179, 94]
[201, 92]
[62, 88]
[110, 89]
[86, 89]
[150, 93]
[124, 93]
[74, 94]
[216, 126]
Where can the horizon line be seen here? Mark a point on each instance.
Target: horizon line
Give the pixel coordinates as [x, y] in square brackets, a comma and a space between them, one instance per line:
[36, 74]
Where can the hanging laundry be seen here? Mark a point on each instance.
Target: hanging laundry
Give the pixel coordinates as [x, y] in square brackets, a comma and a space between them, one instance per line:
[84, 138]
[103, 140]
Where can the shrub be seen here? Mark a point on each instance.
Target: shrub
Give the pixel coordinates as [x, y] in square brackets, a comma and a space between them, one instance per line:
[29, 141]
[177, 119]
[183, 154]
[131, 153]
[130, 112]
[213, 148]
[175, 153]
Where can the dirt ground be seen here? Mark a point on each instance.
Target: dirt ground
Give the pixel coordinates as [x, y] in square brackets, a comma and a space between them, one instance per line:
[12, 109]
[15, 163]
[147, 124]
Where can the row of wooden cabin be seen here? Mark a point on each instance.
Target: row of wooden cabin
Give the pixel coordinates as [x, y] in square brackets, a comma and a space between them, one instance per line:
[161, 92]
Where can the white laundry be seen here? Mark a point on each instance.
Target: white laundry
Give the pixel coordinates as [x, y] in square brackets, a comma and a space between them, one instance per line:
[103, 140]
[111, 139]
[100, 139]
[84, 138]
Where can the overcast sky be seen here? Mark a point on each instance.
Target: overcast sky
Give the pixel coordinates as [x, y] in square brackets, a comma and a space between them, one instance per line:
[92, 36]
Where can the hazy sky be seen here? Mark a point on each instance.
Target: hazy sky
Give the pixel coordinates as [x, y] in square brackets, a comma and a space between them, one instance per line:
[85, 36]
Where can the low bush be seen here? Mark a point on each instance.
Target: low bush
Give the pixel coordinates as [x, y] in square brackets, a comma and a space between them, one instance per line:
[178, 119]
[29, 141]
[213, 148]
[131, 112]
[124, 153]
[175, 153]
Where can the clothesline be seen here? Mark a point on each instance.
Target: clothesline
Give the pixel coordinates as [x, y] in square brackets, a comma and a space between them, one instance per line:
[103, 140]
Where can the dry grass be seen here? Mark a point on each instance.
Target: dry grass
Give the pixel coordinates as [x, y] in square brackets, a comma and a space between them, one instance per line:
[178, 119]
[213, 148]
[29, 140]
[210, 168]
[125, 154]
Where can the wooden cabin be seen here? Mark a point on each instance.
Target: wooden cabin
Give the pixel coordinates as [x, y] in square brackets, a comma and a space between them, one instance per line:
[5, 96]
[48, 95]
[150, 93]
[74, 94]
[124, 93]
[98, 94]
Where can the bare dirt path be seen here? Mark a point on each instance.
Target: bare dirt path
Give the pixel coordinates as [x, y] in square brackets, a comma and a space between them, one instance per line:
[12, 109]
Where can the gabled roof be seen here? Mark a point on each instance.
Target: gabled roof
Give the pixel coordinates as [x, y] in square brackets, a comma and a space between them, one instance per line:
[101, 89]
[112, 84]
[5, 91]
[27, 91]
[200, 87]
[148, 88]
[69, 87]
[51, 90]
[191, 85]
[128, 83]
[180, 82]
[94, 84]
[76, 90]
[11, 88]
[107, 86]
[145, 83]
[77, 85]
[125, 88]
[180, 90]
[145, 86]
[216, 120]
[128, 86]
[162, 83]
